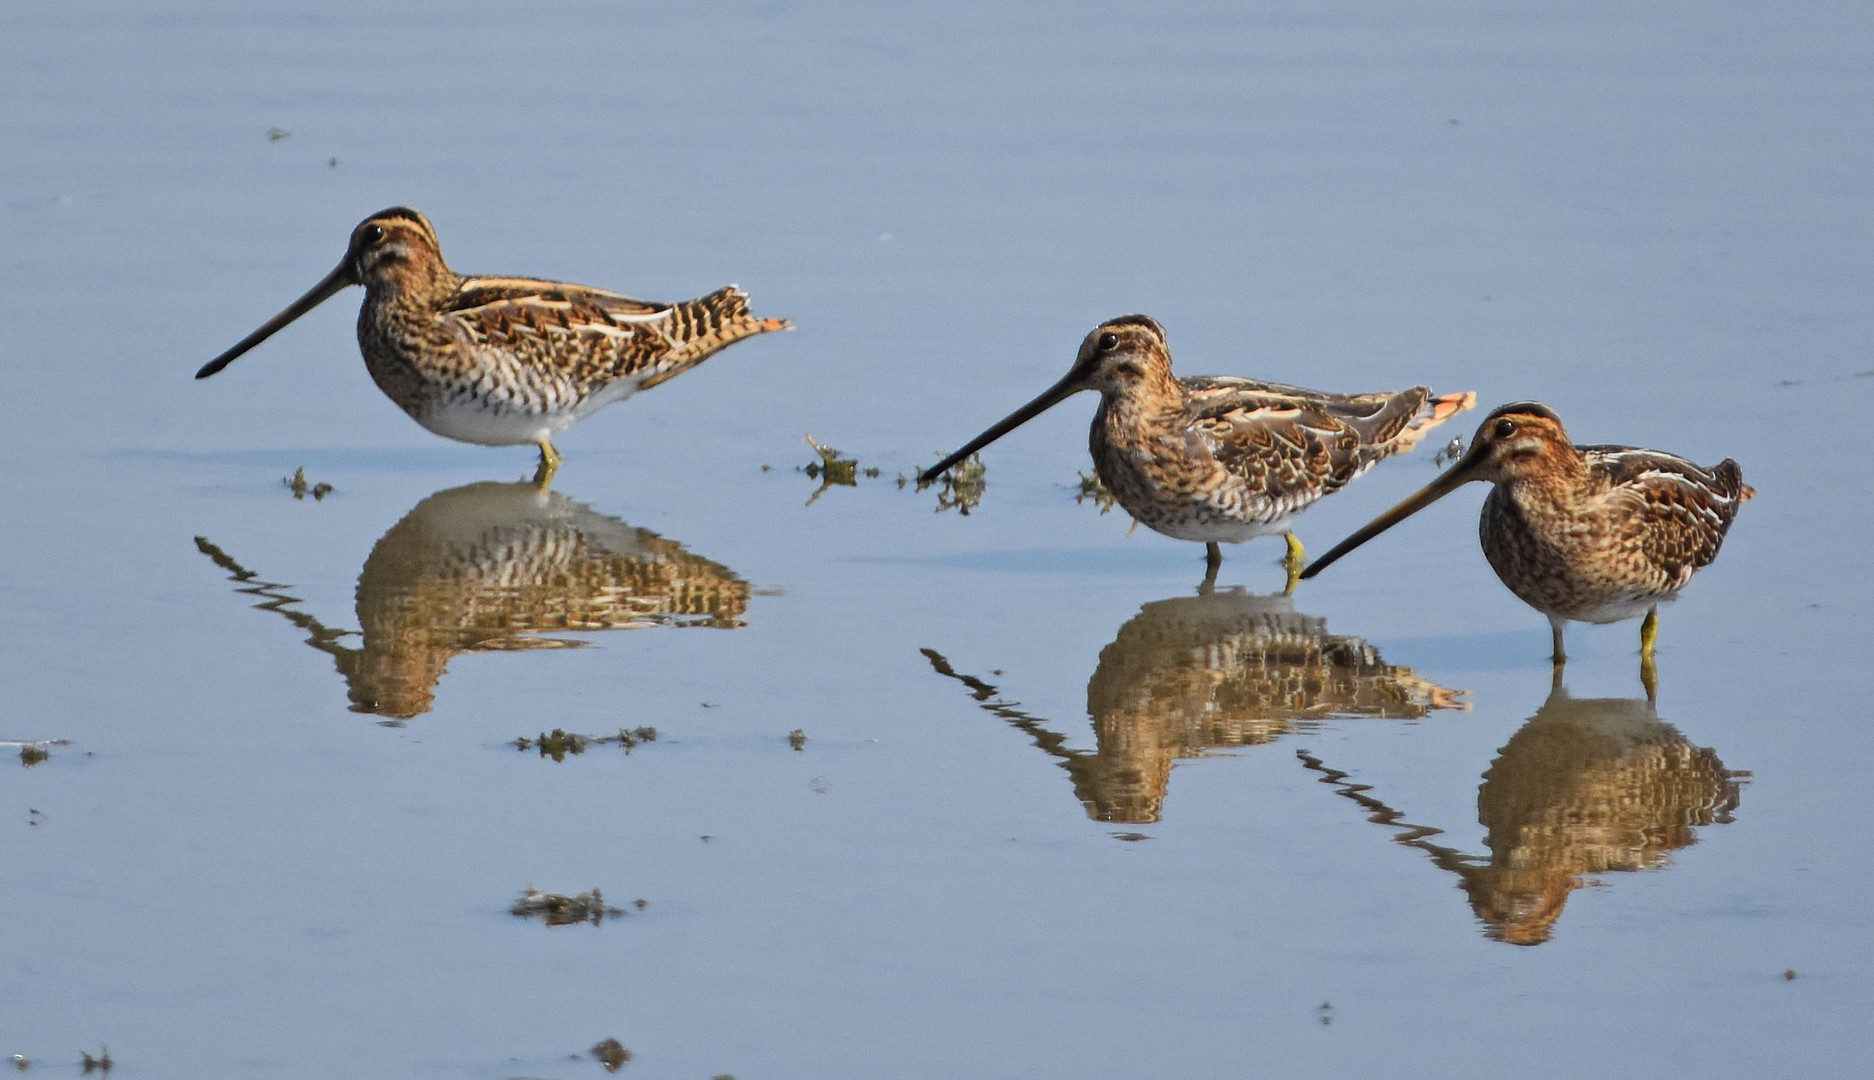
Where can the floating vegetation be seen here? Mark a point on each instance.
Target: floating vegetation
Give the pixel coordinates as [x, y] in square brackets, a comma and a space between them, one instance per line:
[300, 487]
[1091, 488]
[558, 743]
[21, 1062]
[1452, 451]
[797, 739]
[556, 909]
[33, 751]
[102, 1063]
[831, 469]
[611, 1053]
[961, 487]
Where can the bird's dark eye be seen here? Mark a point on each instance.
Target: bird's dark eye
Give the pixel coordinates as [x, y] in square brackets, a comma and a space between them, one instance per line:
[1505, 428]
[373, 233]
[1109, 341]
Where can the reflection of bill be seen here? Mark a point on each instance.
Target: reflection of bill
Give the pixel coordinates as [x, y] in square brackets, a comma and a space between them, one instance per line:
[489, 567]
[1587, 786]
[1215, 670]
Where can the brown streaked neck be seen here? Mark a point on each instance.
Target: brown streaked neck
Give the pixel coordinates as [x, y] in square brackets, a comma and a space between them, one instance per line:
[420, 279]
[1559, 479]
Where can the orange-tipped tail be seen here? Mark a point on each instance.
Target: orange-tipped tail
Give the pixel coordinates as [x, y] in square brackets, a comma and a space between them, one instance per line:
[702, 327]
[1434, 412]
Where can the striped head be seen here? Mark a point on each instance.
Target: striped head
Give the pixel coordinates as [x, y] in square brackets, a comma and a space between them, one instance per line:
[1120, 355]
[393, 253]
[1523, 440]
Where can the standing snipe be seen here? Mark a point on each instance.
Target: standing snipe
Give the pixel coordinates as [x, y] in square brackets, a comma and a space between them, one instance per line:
[1213, 458]
[1590, 533]
[505, 361]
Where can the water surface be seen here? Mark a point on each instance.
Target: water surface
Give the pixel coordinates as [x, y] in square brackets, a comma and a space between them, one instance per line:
[931, 794]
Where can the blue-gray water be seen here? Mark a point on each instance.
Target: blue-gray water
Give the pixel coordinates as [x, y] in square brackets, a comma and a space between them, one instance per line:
[1655, 219]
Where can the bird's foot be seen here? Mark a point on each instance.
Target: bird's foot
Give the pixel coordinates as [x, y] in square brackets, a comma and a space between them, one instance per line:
[549, 464]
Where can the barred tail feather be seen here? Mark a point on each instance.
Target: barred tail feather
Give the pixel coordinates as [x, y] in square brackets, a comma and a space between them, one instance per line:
[1731, 481]
[702, 327]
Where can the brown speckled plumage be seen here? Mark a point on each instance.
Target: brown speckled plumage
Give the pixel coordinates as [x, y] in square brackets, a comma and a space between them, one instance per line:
[506, 361]
[1223, 669]
[1585, 533]
[1219, 459]
[501, 567]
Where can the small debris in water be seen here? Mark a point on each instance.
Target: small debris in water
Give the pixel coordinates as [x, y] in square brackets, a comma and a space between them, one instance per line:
[818, 784]
[1327, 1013]
[33, 751]
[1789, 974]
[558, 743]
[102, 1063]
[797, 739]
[830, 469]
[276, 134]
[962, 486]
[1092, 488]
[300, 487]
[21, 1062]
[1452, 451]
[556, 909]
[611, 1054]
[1131, 837]
[331, 163]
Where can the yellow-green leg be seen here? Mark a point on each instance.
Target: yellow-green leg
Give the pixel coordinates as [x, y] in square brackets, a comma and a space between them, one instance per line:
[1293, 562]
[1649, 674]
[549, 464]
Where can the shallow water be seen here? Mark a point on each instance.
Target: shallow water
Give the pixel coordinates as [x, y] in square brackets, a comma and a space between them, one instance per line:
[1048, 812]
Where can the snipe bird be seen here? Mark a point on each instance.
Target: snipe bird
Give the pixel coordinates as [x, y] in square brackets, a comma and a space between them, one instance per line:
[1595, 534]
[1218, 459]
[505, 361]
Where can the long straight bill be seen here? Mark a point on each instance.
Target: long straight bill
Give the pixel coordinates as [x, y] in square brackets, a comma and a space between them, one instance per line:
[1051, 397]
[319, 294]
[1453, 478]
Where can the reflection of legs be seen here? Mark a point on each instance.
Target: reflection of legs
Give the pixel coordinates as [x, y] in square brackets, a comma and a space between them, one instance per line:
[1293, 562]
[1212, 560]
[549, 464]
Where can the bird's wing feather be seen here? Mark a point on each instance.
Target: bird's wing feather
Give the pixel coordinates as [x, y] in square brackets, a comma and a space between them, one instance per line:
[1297, 443]
[1672, 509]
[588, 335]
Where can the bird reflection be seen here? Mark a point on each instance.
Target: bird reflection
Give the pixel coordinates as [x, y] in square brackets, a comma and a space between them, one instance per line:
[1587, 786]
[489, 567]
[1195, 673]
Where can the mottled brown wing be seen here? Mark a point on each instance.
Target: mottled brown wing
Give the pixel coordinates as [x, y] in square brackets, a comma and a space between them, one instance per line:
[1675, 511]
[590, 336]
[1299, 444]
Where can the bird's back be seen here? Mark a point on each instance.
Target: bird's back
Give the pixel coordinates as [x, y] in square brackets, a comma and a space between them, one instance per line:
[1301, 444]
